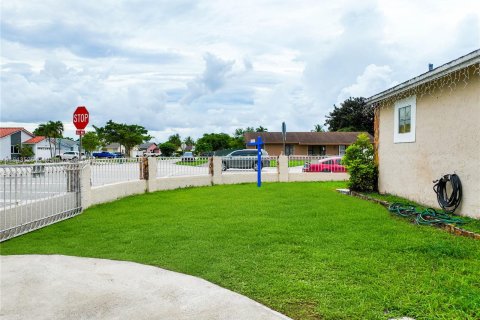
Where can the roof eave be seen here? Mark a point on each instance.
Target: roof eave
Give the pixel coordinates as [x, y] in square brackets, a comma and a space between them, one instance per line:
[460, 63]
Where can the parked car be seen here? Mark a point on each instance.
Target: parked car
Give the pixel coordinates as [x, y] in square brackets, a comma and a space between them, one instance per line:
[104, 154]
[119, 154]
[332, 164]
[152, 154]
[70, 155]
[244, 159]
[188, 157]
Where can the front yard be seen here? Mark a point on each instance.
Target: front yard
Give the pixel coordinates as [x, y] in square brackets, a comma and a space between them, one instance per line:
[299, 248]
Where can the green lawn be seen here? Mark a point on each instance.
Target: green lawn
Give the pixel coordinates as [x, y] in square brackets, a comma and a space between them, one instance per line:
[300, 248]
[291, 163]
[196, 162]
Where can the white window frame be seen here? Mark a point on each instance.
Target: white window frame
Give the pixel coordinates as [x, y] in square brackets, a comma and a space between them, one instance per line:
[407, 136]
[340, 151]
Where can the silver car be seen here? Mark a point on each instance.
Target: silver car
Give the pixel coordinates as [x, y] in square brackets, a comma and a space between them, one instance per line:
[244, 159]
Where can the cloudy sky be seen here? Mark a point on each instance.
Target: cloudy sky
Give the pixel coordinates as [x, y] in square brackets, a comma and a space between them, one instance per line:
[191, 67]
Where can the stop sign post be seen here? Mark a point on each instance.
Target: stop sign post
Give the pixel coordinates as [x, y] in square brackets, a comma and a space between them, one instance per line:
[81, 118]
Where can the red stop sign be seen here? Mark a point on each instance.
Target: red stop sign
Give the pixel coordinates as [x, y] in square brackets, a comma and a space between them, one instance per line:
[81, 117]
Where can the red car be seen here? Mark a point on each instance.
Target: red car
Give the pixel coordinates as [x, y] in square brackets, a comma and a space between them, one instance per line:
[332, 164]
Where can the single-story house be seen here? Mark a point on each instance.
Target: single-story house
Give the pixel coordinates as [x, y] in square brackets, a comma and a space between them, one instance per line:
[11, 140]
[305, 143]
[149, 147]
[427, 127]
[41, 147]
[65, 145]
[114, 147]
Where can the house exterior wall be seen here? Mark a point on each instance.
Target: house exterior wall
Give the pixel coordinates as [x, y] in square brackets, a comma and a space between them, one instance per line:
[332, 150]
[447, 134]
[5, 148]
[42, 150]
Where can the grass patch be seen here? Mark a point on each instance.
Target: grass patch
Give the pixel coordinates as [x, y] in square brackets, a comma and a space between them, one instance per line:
[291, 163]
[195, 163]
[300, 248]
[470, 224]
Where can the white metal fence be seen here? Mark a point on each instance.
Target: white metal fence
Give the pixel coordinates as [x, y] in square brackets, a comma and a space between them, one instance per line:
[248, 163]
[175, 167]
[309, 164]
[106, 171]
[33, 196]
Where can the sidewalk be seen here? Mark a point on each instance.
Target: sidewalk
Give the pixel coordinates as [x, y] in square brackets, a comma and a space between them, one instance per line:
[63, 287]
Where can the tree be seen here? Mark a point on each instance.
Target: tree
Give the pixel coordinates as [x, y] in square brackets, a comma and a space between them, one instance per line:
[318, 128]
[238, 141]
[360, 164]
[261, 129]
[167, 148]
[50, 130]
[90, 141]
[26, 151]
[213, 142]
[128, 135]
[189, 141]
[175, 140]
[352, 115]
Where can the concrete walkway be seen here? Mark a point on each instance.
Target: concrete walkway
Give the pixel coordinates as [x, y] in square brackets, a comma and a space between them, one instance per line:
[62, 287]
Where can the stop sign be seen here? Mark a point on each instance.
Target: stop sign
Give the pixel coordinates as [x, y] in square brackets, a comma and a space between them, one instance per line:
[81, 117]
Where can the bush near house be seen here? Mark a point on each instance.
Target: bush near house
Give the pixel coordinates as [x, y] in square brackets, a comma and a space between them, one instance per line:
[360, 164]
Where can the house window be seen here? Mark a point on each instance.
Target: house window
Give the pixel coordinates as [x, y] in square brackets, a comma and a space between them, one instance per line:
[289, 149]
[14, 149]
[341, 150]
[405, 120]
[316, 150]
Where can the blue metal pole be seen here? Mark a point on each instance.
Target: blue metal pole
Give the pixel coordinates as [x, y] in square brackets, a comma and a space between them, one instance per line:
[259, 162]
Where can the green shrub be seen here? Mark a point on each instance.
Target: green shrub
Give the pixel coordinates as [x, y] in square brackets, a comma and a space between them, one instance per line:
[360, 164]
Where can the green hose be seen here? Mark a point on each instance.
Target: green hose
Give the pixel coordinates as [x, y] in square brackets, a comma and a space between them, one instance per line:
[428, 216]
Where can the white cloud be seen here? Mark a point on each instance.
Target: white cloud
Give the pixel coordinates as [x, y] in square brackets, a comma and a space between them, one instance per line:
[374, 79]
[212, 66]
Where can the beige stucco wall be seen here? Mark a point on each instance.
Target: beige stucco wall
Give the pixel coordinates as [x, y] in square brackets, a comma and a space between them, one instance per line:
[447, 141]
[114, 191]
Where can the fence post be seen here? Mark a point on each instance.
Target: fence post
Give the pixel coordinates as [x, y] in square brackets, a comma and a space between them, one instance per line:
[85, 186]
[283, 168]
[217, 170]
[152, 174]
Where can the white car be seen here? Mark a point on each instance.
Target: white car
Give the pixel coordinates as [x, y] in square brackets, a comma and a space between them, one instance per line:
[69, 155]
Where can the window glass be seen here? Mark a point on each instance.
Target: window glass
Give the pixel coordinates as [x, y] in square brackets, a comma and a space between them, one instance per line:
[404, 119]
[236, 153]
[329, 162]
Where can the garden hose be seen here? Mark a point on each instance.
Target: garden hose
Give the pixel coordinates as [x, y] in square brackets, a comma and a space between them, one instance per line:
[428, 216]
[448, 203]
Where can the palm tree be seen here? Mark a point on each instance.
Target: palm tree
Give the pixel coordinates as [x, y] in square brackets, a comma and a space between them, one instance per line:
[51, 129]
[57, 132]
[318, 128]
[261, 129]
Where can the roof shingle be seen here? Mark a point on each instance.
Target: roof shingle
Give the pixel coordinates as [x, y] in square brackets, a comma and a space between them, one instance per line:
[307, 138]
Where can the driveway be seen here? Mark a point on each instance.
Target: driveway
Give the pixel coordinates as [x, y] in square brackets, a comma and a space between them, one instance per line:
[63, 287]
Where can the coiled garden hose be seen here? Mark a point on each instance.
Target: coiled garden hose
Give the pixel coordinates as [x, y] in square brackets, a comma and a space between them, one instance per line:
[448, 203]
[427, 216]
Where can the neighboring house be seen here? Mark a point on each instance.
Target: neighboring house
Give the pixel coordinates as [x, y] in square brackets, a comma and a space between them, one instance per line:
[64, 145]
[148, 147]
[41, 147]
[114, 147]
[11, 140]
[305, 143]
[427, 127]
